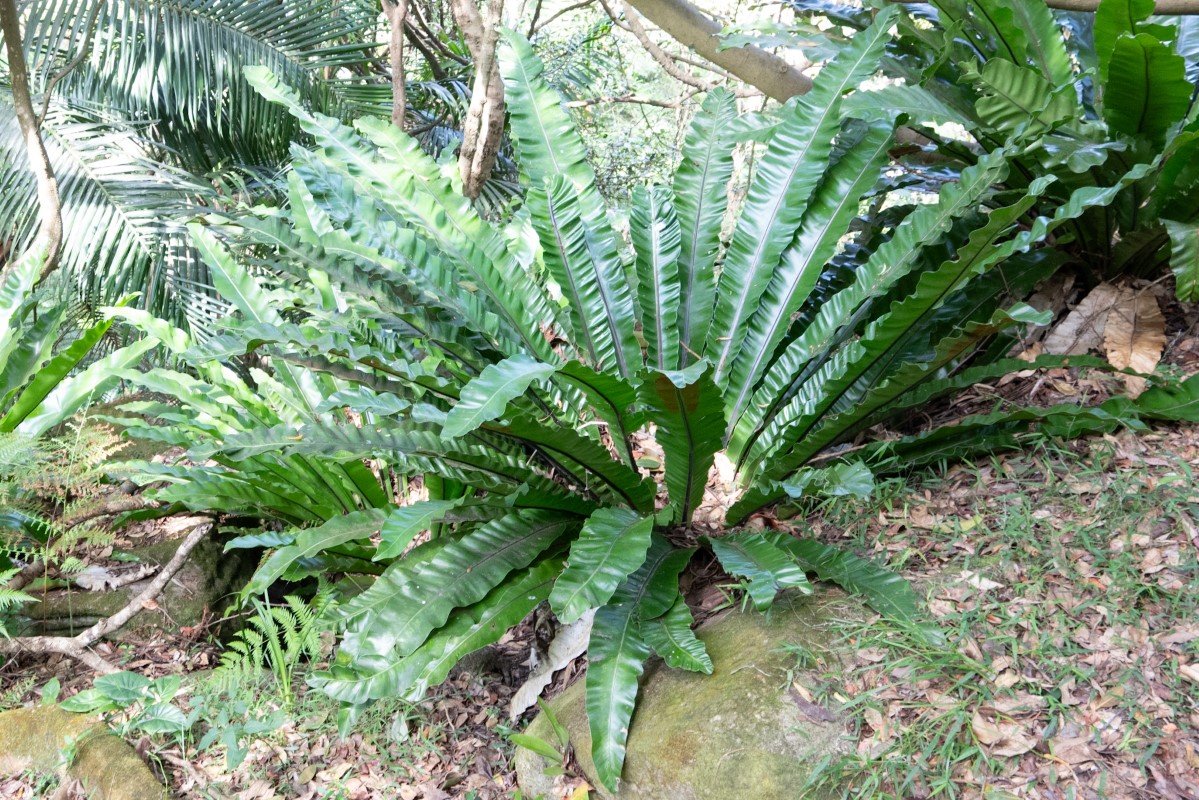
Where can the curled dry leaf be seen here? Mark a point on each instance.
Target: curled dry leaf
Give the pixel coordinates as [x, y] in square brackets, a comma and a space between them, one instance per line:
[979, 582]
[569, 644]
[1134, 336]
[1189, 671]
[1002, 739]
[1082, 329]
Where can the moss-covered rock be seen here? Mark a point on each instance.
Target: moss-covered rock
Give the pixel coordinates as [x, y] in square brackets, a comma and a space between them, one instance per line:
[743, 731]
[207, 580]
[46, 739]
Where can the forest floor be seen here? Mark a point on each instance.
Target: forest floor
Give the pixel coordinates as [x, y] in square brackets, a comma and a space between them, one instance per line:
[1064, 579]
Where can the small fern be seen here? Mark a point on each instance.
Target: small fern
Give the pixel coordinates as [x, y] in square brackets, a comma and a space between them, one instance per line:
[10, 599]
[46, 480]
[278, 639]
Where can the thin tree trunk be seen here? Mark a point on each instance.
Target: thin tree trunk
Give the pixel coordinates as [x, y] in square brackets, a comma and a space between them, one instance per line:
[49, 236]
[397, 14]
[483, 129]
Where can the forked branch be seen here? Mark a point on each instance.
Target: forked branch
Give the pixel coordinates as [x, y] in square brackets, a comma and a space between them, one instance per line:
[77, 647]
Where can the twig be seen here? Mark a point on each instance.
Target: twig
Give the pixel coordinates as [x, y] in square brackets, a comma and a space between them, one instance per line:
[76, 647]
[74, 62]
[116, 506]
[26, 576]
[666, 60]
[535, 27]
[629, 98]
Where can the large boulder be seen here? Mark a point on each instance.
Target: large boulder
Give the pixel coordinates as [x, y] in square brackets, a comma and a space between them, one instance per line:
[46, 739]
[744, 731]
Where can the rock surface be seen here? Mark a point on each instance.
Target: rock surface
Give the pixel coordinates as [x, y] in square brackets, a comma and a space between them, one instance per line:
[208, 578]
[40, 738]
[741, 732]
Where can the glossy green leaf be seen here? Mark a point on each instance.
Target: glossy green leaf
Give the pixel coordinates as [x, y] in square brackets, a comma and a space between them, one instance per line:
[765, 566]
[71, 394]
[1147, 90]
[836, 380]
[406, 522]
[612, 546]
[535, 745]
[700, 201]
[549, 148]
[1177, 402]
[784, 180]
[1045, 46]
[597, 315]
[51, 375]
[618, 652]
[688, 410]
[886, 591]
[1018, 100]
[416, 595]
[615, 661]
[836, 203]
[611, 398]
[654, 228]
[596, 465]
[886, 265]
[161, 718]
[1184, 258]
[466, 630]
[123, 688]
[357, 526]
[671, 637]
[486, 397]
[88, 701]
[886, 103]
[1113, 19]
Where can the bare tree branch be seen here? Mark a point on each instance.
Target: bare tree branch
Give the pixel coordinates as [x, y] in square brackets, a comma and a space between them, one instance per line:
[629, 98]
[431, 59]
[117, 505]
[665, 60]
[77, 646]
[689, 26]
[26, 576]
[534, 26]
[48, 243]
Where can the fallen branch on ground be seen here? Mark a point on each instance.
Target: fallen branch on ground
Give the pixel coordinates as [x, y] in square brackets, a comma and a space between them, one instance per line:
[116, 505]
[76, 647]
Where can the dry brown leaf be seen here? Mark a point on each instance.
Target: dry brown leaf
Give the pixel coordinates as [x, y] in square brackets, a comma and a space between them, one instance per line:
[570, 643]
[1189, 671]
[1003, 739]
[1052, 294]
[1082, 329]
[1073, 751]
[979, 582]
[1135, 336]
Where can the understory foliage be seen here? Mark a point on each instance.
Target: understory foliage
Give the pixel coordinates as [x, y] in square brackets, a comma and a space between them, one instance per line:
[52, 362]
[276, 638]
[1099, 94]
[512, 377]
